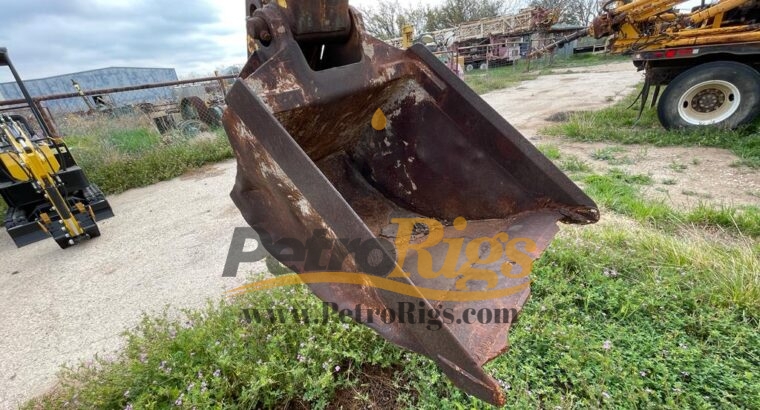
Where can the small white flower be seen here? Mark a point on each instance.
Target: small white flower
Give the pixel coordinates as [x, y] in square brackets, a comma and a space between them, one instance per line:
[643, 374]
[337, 368]
[607, 345]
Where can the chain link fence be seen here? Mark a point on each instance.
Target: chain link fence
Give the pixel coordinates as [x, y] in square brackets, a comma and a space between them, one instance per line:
[478, 59]
[183, 108]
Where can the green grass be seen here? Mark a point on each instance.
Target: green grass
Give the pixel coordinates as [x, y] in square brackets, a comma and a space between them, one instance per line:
[497, 78]
[118, 171]
[550, 151]
[642, 311]
[125, 153]
[131, 141]
[580, 60]
[618, 124]
[621, 193]
[622, 316]
[574, 164]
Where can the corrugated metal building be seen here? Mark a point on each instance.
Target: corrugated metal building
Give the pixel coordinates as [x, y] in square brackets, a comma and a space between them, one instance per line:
[111, 77]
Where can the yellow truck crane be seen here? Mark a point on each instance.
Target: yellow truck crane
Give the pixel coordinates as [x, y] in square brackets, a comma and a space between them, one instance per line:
[47, 194]
[708, 57]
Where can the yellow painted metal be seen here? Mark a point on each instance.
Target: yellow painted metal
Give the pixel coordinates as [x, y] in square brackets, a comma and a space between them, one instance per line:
[718, 20]
[36, 162]
[719, 8]
[407, 36]
[694, 37]
[633, 30]
[11, 163]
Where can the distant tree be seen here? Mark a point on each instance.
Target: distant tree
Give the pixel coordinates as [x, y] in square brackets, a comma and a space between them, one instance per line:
[579, 12]
[386, 18]
[453, 12]
[586, 10]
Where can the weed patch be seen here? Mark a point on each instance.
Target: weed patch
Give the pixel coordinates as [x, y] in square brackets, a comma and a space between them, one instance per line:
[118, 159]
[550, 151]
[497, 78]
[574, 164]
[621, 315]
[618, 124]
[621, 193]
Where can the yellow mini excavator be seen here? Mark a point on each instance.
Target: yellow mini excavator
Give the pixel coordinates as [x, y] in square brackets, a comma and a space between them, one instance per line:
[47, 194]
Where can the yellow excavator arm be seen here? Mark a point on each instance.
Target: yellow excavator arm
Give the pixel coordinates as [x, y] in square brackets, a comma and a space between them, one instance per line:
[30, 161]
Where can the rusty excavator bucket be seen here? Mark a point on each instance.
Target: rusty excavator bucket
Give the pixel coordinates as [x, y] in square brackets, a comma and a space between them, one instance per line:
[396, 193]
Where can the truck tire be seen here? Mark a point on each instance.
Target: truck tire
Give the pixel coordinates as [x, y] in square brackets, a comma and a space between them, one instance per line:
[724, 94]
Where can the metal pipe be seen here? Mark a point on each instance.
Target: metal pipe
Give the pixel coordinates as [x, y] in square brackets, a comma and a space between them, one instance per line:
[116, 90]
[25, 92]
[718, 8]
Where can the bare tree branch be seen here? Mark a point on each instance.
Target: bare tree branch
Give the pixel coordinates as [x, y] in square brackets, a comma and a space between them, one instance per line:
[386, 18]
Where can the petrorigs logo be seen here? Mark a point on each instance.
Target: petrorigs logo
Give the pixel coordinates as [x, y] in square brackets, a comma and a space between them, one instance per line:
[405, 313]
[382, 263]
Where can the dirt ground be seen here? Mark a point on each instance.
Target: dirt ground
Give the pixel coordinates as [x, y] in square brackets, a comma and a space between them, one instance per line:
[168, 242]
[166, 246]
[683, 176]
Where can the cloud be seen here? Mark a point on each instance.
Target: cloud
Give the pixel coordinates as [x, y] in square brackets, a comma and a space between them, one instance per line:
[51, 37]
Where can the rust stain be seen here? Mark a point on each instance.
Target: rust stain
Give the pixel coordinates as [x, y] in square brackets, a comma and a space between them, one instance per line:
[308, 160]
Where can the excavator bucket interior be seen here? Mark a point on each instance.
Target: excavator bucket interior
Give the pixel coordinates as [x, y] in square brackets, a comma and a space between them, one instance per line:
[406, 175]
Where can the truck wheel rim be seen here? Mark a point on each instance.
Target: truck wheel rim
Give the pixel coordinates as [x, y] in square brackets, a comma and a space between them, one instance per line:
[710, 102]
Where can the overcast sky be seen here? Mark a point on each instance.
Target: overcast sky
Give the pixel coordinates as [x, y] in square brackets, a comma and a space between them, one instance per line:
[51, 37]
